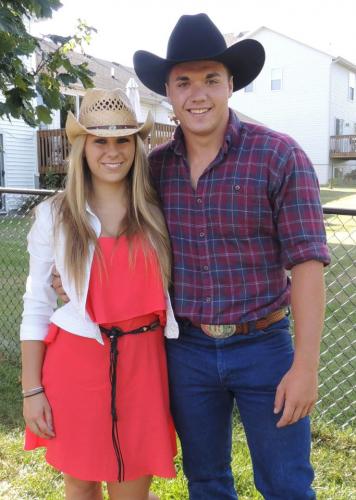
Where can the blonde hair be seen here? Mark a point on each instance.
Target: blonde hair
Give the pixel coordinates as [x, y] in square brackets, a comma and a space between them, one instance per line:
[144, 216]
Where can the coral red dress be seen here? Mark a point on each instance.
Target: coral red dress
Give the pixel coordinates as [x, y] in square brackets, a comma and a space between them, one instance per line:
[126, 292]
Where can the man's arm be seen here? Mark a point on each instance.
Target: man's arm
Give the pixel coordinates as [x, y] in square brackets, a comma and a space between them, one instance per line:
[57, 286]
[298, 390]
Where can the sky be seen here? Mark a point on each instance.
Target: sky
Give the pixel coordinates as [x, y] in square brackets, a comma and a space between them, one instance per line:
[126, 26]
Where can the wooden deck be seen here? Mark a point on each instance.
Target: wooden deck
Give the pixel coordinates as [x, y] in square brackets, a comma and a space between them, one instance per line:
[52, 149]
[343, 147]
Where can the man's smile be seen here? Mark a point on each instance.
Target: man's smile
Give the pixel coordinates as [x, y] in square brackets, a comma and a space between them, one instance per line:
[198, 111]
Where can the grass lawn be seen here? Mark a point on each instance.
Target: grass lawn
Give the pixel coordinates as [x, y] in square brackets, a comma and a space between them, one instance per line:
[13, 272]
[25, 475]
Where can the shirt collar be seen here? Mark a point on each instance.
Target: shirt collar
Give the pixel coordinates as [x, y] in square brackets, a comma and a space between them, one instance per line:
[178, 144]
[231, 135]
[233, 131]
[88, 209]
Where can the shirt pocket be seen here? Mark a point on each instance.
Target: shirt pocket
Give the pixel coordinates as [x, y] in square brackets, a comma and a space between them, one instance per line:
[241, 211]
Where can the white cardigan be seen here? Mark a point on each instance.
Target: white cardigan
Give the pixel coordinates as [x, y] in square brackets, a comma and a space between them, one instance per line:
[40, 300]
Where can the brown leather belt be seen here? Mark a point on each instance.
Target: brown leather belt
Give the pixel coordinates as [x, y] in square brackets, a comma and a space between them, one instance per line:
[225, 331]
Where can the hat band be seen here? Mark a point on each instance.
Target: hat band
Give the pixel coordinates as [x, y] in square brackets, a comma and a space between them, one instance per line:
[111, 127]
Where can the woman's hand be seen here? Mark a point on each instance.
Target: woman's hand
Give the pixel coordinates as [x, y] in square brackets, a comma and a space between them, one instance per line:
[38, 415]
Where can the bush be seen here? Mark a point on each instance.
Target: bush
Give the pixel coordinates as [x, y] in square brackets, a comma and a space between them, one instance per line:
[52, 180]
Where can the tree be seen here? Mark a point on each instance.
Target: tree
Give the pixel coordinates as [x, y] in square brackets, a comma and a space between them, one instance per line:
[19, 83]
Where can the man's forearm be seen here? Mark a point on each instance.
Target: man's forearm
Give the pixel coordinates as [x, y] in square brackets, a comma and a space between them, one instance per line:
[308, 309]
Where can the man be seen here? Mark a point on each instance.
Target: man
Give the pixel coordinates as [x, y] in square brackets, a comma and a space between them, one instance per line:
[242, 207]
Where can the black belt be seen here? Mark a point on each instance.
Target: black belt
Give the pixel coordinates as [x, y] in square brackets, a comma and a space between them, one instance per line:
[113, 334]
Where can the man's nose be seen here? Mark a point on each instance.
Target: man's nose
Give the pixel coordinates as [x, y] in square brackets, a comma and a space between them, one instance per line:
[198, 92]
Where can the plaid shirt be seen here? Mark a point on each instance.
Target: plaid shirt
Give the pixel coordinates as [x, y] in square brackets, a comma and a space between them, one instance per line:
[255, 214]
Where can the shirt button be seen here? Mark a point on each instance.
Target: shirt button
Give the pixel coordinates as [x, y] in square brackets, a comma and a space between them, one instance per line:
[199, 200]
[205, 268]
[202, 234]
[237, 187]
[207, 299]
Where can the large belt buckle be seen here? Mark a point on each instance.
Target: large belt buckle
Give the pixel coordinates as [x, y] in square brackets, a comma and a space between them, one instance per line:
[219, 331]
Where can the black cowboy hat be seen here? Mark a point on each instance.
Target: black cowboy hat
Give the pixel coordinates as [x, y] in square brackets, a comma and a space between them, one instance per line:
[196, 38]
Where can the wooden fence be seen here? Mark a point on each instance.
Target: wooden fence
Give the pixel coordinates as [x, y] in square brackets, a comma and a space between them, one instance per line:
[53, 147]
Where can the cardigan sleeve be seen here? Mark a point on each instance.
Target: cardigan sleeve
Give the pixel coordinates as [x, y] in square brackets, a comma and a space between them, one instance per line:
[39, 299]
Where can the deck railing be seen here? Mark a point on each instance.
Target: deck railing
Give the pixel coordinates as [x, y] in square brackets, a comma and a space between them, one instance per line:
[343, 146]
[53, 146]
[53, 149]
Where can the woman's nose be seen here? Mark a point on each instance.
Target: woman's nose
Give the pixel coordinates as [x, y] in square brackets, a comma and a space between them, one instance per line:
[113, 148]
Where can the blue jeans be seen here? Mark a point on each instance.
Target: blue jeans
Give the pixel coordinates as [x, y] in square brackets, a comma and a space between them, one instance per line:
[206, 377]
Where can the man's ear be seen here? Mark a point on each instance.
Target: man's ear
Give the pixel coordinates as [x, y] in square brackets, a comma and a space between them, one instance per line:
[231, 85]
[167, 91]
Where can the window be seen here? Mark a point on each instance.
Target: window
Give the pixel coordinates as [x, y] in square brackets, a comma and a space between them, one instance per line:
[249, 87]
[339, 126]
[276, 79]
[351, 90]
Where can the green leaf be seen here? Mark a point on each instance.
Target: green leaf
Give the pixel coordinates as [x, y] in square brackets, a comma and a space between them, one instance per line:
[67, 78]
[43, 114]
[20, 84]
[57, 39]
[11, 22]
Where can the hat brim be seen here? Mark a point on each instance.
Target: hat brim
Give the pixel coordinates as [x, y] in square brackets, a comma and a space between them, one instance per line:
[244, 59]
[74, 128]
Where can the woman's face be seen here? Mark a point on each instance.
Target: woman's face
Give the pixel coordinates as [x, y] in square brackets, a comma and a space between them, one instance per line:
[109, 158]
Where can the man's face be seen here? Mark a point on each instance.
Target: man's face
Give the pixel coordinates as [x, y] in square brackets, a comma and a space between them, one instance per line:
[199, 93]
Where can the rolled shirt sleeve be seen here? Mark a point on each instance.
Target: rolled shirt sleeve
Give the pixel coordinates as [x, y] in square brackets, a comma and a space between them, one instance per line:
[298, 212]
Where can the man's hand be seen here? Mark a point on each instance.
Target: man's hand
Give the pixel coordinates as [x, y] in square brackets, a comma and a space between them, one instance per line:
[296, 395]
[57, 286]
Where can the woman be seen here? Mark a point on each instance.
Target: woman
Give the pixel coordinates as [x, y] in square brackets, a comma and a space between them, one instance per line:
[94, 371]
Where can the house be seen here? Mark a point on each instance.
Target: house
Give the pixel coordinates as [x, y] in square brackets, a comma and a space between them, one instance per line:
[23, 149]
[26, 153]
[18, 157]
[307, 94]
[110, 75]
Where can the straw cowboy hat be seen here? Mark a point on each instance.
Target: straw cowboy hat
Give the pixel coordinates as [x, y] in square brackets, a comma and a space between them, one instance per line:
[106, 113]
[196, 38]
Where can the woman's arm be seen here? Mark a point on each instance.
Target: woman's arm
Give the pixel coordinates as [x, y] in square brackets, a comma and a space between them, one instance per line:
[36, 409]
[39, 304]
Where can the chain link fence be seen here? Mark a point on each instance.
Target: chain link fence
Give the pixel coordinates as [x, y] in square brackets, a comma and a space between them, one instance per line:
[338, 352]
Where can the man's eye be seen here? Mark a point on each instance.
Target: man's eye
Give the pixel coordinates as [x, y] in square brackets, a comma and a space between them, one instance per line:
[213, 82]
[100, 141]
